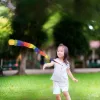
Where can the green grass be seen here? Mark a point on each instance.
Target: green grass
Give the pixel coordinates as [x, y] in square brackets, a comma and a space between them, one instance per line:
[39, 87]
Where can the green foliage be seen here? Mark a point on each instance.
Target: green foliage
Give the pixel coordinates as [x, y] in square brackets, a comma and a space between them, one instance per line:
[5, 24]
[5, 29]
[92, 34]
[83, 10]
[28, 21]
[4, 11]
[49, 25]
[34, 21]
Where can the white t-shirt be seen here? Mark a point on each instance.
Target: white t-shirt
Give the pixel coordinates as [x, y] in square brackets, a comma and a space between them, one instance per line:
[60, 71]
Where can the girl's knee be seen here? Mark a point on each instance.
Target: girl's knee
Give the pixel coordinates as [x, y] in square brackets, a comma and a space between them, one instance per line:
[58, 97]
[65, 93]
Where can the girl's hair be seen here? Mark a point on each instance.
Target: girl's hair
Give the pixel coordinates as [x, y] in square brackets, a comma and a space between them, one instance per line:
[65, 52]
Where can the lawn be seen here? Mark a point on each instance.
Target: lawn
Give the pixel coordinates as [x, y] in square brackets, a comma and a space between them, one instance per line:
[39, 87]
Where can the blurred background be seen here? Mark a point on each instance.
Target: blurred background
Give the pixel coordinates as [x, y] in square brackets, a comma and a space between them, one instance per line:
[46, 24]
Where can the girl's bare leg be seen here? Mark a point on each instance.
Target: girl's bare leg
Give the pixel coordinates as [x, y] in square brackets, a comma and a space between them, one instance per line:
[67, 96]
[58, 97]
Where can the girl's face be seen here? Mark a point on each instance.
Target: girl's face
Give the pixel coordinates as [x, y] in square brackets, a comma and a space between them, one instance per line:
[60, 52]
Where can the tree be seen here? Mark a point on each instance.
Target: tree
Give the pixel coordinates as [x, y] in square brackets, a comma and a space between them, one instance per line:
[27, 25]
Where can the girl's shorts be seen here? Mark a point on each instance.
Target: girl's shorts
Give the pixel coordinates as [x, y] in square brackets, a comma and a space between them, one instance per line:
[60, 86]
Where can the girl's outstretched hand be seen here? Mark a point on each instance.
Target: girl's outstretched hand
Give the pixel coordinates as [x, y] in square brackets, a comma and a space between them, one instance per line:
[44, 66]
[48, 65]
[75, 80]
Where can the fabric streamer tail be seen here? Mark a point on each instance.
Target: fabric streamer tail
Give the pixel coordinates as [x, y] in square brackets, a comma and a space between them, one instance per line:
[29, 45]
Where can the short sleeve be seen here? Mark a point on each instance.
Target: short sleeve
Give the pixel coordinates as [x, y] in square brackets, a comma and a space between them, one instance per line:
[53, 61]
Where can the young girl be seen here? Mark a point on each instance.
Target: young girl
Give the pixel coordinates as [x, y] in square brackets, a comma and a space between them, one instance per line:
[61, 69]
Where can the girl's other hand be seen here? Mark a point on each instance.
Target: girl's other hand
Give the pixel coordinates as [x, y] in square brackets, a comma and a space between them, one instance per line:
[75, 80]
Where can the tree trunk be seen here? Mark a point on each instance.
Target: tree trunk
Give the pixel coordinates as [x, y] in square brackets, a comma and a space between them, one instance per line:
[72, 64]
[1, 70]
[22, 67]
[84, 62]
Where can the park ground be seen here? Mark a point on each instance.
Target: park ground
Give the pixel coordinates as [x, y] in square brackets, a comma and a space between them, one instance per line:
[39, 87]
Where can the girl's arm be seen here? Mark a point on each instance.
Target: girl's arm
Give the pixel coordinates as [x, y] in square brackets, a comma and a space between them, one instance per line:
[71, 75]
[48, 65]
